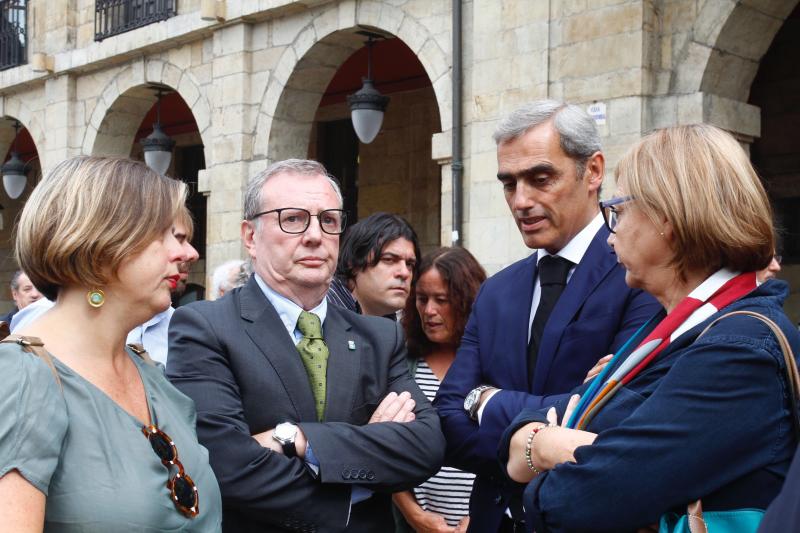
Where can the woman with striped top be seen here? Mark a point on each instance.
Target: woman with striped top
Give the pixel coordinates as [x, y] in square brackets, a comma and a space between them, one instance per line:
[434, 318]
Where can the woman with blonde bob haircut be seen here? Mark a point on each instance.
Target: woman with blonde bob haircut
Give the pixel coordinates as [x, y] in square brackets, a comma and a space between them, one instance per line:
[677, 416]
[93, 438]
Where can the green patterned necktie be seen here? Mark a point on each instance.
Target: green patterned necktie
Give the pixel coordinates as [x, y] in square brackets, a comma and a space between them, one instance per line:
[314, 353]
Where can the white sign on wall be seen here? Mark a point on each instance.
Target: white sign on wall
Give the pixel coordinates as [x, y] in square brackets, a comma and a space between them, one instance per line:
[598, 112]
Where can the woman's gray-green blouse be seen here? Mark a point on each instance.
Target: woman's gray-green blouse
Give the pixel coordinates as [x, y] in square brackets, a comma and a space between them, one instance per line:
[89, 456]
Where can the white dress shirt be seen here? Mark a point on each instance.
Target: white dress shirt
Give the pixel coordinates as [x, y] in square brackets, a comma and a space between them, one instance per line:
[574, 251]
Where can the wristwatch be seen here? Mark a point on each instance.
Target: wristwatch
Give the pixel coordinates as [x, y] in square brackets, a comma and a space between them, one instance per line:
[473, 400]
[284, 434]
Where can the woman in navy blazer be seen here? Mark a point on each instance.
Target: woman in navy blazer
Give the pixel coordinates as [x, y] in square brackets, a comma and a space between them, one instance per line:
[674, 418]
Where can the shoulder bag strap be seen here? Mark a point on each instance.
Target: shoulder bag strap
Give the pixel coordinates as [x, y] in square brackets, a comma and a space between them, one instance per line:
[694, 510]
[35, 346]
[139, 350]
[792, 376]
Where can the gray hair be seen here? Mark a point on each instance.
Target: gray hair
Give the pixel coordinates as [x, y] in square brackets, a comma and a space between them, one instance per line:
[304, 167]
[15, 280]
[228, 276]
[577, 131]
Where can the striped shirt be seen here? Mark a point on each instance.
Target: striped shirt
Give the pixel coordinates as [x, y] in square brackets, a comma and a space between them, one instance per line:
[447, 492]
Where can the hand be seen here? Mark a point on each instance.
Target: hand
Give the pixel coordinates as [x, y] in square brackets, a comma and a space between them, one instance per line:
[552, 417]
[418, 518]
[427, 522]
[265, 439]
[550, 447]
[517, 466]
[557, 444]
[394, 408]
[463, 525]
[598, 367]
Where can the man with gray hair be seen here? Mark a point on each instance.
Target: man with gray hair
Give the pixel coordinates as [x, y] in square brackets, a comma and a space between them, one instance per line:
[23, 293]
[308, 412]
[229, 275]
[540, 324]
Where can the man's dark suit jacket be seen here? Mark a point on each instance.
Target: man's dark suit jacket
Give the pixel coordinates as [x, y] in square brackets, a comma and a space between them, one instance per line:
[783, 514]
[594, 316]
[235, 359]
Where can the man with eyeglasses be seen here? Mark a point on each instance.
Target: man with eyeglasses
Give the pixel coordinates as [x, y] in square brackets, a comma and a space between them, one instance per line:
[539, 325]
[307, 409]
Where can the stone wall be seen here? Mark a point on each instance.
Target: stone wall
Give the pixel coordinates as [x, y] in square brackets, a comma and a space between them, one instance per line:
[396, 172]
[254, 82]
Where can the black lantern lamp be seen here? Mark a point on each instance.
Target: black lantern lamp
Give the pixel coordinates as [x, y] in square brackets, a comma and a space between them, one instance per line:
[158, 145]
[14, 177]
[368, 105]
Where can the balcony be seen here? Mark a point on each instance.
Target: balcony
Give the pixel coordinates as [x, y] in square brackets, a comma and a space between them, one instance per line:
[112, 17]
[13, 41]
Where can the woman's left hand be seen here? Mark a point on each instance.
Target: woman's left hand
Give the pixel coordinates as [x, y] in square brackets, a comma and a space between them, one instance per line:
[551, 445]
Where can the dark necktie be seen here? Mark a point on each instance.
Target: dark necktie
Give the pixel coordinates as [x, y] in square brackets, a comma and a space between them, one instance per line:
[553, 271]
[314, 353]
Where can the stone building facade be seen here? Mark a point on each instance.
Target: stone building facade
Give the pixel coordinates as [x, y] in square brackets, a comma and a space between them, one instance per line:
[255, 77]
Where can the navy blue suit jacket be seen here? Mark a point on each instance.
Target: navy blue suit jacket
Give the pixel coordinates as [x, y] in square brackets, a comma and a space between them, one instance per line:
[594, 316]
[708, 418]
[783, 513]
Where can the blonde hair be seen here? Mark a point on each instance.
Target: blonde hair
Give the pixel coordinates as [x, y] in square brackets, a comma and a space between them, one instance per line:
[700, 180]
[87, 215]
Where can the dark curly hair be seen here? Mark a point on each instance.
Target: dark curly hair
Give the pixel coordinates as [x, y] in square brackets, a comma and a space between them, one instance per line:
[463, 276]
[363, 243]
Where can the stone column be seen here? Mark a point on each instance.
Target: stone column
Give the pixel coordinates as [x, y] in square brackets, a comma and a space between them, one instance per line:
[64, 132]
[232, 118]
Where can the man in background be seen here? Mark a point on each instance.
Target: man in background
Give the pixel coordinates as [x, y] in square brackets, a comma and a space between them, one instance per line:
[377, 264]
[22, 292]
[229, 275]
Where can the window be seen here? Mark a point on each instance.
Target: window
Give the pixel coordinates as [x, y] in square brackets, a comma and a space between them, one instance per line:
[13, 41]
[112, 17]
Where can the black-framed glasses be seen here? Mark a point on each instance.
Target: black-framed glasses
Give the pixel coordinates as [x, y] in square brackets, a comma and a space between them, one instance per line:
[183, 491]
[295, 220]
[610, 213]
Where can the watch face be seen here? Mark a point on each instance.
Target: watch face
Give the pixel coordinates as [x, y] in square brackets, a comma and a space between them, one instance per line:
[469, 401]
[285, 431]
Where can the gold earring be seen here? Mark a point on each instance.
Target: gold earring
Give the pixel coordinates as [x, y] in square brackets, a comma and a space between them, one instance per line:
[96, 298]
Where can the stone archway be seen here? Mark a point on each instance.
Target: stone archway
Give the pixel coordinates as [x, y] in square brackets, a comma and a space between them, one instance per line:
[307, 65]
[14, 108]
[726, 44]
[127, 98]
[30, 151]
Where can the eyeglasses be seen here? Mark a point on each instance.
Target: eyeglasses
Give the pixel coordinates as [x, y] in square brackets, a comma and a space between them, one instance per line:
[183, 491]
[295, 220]
[610, 213]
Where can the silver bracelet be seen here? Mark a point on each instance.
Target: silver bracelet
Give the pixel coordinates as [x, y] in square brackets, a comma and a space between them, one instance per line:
[528, 444]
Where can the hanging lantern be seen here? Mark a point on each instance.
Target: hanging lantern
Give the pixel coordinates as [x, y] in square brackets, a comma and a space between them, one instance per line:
[367, 105]
[158, 145]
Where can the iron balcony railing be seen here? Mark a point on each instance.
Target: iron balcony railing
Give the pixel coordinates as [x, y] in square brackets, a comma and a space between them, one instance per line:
[112, 17]
[13, 40]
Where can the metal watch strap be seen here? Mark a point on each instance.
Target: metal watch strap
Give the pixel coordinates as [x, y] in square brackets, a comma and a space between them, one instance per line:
[473, 411]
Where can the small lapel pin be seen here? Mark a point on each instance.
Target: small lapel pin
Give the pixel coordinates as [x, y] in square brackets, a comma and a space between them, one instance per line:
[351, 345]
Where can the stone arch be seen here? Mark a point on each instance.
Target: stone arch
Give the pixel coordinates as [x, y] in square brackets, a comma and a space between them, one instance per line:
[126, 98]
[15, 108]
[309, 62]
[727, 42]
